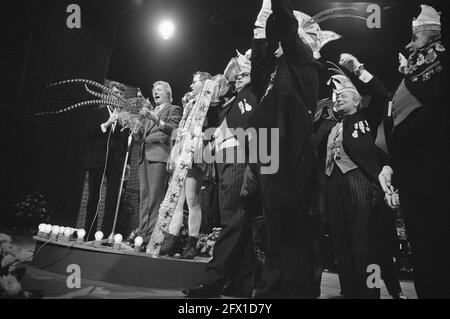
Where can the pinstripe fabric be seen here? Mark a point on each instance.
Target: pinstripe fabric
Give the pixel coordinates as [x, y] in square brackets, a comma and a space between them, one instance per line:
[352, 198]
[233, 254]
[153, 179]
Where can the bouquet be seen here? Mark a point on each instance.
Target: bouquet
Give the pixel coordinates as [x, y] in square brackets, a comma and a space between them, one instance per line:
[10, 273]
[206, 243]
[31, 210]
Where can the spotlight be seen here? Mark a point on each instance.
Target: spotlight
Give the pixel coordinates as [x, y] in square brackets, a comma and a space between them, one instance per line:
[166, 29]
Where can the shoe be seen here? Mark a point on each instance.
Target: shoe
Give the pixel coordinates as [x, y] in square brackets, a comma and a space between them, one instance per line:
[169, 245]
[399, 296]
[231, 291]
[203, 291]
[270, 285]
[190, 251]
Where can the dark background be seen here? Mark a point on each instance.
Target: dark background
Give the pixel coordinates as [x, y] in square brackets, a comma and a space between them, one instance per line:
[118, 40]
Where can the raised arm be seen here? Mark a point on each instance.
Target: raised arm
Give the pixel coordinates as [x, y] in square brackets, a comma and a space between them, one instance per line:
[295, 50]
[259, 59]
[376, 88]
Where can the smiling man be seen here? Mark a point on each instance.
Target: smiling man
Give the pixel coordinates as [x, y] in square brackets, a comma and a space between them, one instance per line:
[354, 195]
[156, 146]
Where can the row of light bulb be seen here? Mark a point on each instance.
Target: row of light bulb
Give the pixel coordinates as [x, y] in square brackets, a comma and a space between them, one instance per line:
[46, 229]
[59, 230]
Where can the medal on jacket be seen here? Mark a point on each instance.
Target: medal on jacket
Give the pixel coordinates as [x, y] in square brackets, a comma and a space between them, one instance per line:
[355, 132]
[361, 127]
[248, 107]
[244, 106]
[367, 126]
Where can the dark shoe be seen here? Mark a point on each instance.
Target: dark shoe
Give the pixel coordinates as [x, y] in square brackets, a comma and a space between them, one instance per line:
[231, 291]
[270, 285]
[203, 291]
[190, 251]
[399, 296]
[169, 245]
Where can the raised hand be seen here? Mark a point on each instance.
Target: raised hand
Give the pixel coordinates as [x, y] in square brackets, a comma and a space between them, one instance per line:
[264, 14]
[350, 62]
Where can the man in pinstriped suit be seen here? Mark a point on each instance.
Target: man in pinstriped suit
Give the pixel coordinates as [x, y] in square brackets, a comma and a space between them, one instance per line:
[354, 196]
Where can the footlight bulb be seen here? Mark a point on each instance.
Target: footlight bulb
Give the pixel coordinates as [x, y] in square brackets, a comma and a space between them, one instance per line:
[80, 234]
[98, 236]
[41, 230]
[138, 241]
[117, 240]
[47, 231]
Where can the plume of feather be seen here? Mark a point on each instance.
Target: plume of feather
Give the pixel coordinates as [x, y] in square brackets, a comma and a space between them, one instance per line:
[76, 106]
[335, 68]
[330, 14]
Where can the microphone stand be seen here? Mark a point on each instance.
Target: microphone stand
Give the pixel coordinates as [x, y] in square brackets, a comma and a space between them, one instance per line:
[122, 179]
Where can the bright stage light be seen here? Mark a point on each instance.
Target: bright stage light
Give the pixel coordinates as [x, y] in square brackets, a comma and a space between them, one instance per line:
[67, 232]
[81, 233]
[166, 29]
[98, 236]
[118, 238]
[138, 241]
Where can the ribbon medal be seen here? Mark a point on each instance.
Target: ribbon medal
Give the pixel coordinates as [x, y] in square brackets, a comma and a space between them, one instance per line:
[361, 127]
[355, 132]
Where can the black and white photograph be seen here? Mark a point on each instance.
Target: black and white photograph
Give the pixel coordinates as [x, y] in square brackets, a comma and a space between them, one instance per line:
[226, 155]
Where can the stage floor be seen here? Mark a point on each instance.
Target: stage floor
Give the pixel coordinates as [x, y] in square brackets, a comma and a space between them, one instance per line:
[45, 284]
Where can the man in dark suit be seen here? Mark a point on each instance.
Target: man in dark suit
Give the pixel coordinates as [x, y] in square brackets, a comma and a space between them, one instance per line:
[101, 131]
[233, 256]
[156, 146]
[285, 75]
[417, 130]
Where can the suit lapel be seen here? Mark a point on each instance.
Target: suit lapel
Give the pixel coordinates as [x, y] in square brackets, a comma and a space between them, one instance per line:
[324, 130]
[159, 113]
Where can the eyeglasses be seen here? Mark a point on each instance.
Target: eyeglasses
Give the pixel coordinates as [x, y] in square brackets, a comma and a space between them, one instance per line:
[242, 75]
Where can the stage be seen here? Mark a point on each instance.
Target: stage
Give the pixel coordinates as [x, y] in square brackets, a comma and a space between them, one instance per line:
[124, 267]
[47, 274]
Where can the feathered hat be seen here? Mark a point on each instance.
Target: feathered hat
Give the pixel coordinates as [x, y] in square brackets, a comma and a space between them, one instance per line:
[340, 82]
[428, 19]
[309, 29]
[240, 63]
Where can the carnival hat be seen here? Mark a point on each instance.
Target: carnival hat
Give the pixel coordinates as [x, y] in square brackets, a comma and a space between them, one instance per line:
[428, 19]
[240, 63]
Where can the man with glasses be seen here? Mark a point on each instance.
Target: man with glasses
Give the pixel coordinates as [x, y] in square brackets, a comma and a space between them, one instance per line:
[233, 256]
[103, 135]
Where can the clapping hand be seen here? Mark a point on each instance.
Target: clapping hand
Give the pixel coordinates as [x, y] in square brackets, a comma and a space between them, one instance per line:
[149, 113]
